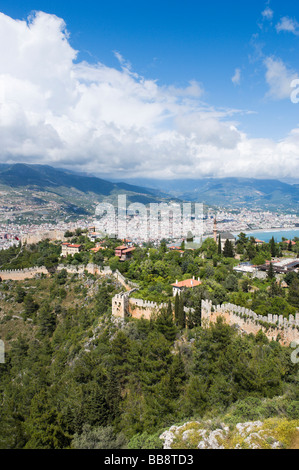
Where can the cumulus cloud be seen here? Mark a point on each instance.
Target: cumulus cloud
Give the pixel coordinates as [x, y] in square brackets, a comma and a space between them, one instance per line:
[115, 122]
[279, 78]
[288, 24]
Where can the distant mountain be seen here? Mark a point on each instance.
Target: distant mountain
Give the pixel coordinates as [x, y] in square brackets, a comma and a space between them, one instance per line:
[44, 176]
[65, 192]
[231, 192]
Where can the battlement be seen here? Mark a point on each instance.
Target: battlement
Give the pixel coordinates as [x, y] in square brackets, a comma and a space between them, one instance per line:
[22, 274]
[275, 327]
[278, 320]
[147, 303]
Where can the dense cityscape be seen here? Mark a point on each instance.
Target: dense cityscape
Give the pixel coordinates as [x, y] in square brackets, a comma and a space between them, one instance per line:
[235, 222]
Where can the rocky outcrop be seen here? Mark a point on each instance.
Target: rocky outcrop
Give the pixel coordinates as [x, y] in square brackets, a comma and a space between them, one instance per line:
[248, 435]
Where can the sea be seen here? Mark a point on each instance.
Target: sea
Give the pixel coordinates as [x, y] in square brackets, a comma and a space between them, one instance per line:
[278, 234]
[264, 235]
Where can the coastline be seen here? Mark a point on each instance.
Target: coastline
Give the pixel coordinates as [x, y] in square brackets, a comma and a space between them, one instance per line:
[266, 233]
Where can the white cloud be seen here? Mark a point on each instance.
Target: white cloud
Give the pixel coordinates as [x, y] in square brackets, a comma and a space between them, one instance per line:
[236, 79]
[279, 78]
[112, 122]
[267, 13]
[288, 24]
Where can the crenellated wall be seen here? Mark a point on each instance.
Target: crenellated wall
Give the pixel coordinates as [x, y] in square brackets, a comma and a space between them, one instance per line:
[22, 274]
[274, 327]
[139, 308]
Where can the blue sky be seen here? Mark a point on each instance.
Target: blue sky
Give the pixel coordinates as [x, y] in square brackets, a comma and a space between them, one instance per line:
[222, 72]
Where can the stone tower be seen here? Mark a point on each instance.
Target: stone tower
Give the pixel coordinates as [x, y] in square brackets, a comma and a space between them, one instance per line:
[215, 230]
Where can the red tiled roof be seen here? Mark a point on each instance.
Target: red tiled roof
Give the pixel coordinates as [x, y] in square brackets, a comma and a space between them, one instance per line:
[187, 283]
[288, 241]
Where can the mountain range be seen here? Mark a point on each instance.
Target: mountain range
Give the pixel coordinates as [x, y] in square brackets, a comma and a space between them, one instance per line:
[52, 192]
[233, 193]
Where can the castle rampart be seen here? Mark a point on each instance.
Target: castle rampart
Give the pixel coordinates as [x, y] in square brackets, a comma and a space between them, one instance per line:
[22, 274]
[275, 327]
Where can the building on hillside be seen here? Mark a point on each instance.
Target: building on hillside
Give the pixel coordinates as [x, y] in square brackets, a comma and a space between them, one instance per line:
[96, 249]
[94, 235]
[176, 248]
[128, 242]
[69, 249]
[178, 287]
[287, 242]
[245, 268]
[258, 242]
[124, 252]
[281, 266]
[226, 236]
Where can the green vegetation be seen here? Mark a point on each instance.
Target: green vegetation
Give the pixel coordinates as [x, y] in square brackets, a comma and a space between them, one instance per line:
[74, 378]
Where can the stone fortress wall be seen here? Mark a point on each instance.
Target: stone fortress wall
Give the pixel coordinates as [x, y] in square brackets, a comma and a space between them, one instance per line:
[274, 326]
[22, 274]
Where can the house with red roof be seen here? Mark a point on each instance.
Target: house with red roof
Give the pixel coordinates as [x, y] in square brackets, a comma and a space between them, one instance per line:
[178, 287]
[70, 249]
[124, 252]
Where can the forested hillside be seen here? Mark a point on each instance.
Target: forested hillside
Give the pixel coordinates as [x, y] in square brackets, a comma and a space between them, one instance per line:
[73, 378]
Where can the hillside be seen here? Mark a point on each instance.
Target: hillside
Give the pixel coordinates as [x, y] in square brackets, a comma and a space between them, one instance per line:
[41, 192]
[75, 376]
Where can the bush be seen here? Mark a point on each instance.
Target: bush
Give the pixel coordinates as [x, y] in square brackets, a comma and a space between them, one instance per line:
[98, 438]
[145, 441]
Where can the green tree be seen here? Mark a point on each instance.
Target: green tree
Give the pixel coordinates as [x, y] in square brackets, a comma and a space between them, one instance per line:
[219, 245]
[164, 323]
[228, 250]
[46, 320]
[45, 428]
[181, 314]
[293, 296]
[98, 438]
[272, 247]
[196, 314]
[176, 308]
[21, 294]
[31, 306]
[271, 274]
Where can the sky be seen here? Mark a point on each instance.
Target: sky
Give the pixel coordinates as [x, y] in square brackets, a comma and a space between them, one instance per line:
[167, 90]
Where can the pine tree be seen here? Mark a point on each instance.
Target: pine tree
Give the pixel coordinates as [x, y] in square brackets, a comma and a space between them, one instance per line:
[46, 320]
[272, 247]
[219, 245]
[176, 309]
[197, 313]
[181, 314]
[293, 296]
[271, 274]
[164, 323]
[228, 251]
